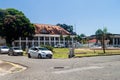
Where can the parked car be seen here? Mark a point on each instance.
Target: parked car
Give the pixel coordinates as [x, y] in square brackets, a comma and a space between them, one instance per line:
[4, 49]
[39, 52]
[15, 51]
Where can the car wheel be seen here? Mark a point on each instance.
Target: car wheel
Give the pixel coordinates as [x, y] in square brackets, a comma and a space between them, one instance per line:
[50, 57]
[39, 56]
[21, 54]
[10, 54]
[29, 56]
[13, 54]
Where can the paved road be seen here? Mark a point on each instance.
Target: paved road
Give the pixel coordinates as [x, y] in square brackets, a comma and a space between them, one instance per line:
[91, 68]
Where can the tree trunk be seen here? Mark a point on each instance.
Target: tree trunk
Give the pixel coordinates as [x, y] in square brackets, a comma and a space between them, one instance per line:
[103, 44]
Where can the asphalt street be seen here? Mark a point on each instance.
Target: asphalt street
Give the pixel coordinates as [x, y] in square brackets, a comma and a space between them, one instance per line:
[88, 68]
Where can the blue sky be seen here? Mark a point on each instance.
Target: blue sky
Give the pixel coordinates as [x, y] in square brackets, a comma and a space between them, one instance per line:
[85, 15]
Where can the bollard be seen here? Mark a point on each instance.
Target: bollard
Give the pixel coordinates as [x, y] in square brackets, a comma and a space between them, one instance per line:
[71, 53]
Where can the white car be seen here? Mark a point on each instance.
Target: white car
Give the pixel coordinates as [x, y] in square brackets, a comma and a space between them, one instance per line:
[4, 49]
[39, 52]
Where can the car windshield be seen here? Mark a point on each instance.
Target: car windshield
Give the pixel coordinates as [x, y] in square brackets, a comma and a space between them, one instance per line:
[4, 47]
[43, 49]
[17, 48]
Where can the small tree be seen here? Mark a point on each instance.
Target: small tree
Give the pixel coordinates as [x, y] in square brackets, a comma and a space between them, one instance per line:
[102, 35]
[83, 38]
[78, 38]
[68, 38]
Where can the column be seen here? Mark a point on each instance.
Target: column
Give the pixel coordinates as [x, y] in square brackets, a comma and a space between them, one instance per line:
[54, 41]
[26, 43]
[13, 43]
[59, 40]
[20, 42]
[117, 41]
[64, 41]
[33, 42]
[113, 41]
[44, 40]
[38, 41]
[49, 40]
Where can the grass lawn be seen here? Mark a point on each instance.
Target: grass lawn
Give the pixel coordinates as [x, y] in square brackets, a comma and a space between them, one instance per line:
[60, 52]
[83, 52]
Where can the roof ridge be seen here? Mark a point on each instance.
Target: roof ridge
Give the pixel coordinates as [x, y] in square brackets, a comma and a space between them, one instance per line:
[45, 24]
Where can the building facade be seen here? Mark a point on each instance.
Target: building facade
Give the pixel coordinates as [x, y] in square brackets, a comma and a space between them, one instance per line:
[115, 40]
[46, 35]
[52, 35]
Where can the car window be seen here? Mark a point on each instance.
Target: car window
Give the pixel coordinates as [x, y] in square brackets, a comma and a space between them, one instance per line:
[35, 49]
[16, 48]
[43, 49]
[4, 47]
[32, 48]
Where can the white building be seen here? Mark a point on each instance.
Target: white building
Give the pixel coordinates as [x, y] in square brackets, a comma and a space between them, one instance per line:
[115, 40]
[46, 35]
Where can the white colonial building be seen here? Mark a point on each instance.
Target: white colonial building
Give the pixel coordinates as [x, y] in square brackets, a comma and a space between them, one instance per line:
[46, 35]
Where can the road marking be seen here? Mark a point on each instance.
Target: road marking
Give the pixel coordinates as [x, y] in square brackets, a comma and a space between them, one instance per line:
[16, 68]
[78, 69]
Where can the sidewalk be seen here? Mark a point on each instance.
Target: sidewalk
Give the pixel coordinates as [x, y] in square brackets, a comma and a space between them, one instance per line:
[7, 68]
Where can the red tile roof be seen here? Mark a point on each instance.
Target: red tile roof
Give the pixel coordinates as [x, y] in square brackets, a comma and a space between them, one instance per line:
[92, 41]
[49, 29]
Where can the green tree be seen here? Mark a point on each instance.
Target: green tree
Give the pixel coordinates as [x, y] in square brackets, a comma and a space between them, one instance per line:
[3, 13]
[68, 38]
[102, 35]
[82, 35]
[14, 24]
[83, 38]
[78, 38]
[69, 28]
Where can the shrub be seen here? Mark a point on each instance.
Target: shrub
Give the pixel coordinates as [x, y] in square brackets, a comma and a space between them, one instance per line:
[48, 47]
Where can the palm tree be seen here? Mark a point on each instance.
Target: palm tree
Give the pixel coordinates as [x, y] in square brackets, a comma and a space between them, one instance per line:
[102, 35]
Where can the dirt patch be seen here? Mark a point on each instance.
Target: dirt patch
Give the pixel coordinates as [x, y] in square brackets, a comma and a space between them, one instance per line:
[6, 66]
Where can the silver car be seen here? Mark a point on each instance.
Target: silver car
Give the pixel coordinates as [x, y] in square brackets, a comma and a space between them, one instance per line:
[39, 52]
[15, 51]
[4, 49]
